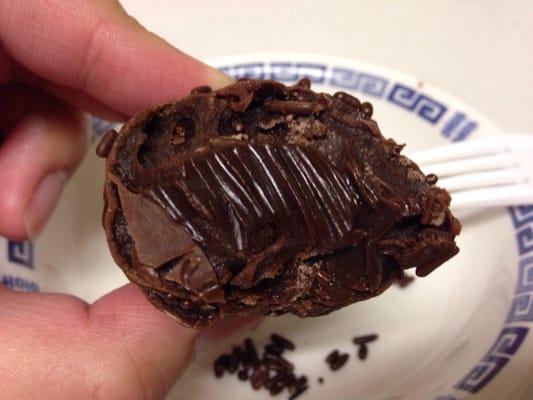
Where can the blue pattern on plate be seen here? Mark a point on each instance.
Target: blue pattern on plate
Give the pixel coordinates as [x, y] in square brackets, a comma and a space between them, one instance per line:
[356, 81]
[411, 99]
[521, 311]
[18, 283]
[20, 253]
[506, 345]
[458, 128]
[522, 305]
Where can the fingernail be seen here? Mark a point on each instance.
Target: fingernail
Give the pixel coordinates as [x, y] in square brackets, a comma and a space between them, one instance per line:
[43, 201]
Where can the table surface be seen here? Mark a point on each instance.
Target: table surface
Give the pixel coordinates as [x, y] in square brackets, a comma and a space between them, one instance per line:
[480, 51]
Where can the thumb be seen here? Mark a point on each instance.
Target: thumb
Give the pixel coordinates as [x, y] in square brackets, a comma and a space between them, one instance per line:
[120, 347]
[142, 337]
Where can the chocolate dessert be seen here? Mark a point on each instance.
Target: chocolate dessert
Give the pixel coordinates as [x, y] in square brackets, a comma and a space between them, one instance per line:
[266, 198]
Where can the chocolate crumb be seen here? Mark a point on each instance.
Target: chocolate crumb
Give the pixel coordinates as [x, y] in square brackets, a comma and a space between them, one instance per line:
[238, 354]
[301, 381]
[220, 366]
[405, 280]
[320, 380]
[290, 381]
[277, 362]
[274, 349]
[304, 83]
[336, 360]
[298, 392]
[339, 362]
[367, 109]
[276, 388]
[431, 179]
[243, 374]
[259, 377]
[270, 371]
[331, 356]
[348, 99]
[282, 341]
[365, 339]
[363, 352]
[106, 143]
[277, 383]
[251, 356]
[232, 364]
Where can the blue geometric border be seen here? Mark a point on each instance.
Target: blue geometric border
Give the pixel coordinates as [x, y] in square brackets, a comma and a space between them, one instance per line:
[454, 126]
[520, 312]
[20, 253]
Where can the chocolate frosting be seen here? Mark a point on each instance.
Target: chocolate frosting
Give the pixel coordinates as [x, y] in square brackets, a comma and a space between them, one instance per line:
[264, 198]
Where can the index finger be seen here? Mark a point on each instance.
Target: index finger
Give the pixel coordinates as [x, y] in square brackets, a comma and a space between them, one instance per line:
[96, 48]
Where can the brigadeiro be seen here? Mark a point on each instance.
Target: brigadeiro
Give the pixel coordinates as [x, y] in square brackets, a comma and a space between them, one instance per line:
[269, 199]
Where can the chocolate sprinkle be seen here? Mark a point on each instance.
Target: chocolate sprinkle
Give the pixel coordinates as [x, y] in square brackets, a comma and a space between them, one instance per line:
[301, 381]
[259, 377]
[277, 362]
[336, 360]
[363, 352]
[239, 355]
[232, 364]
[431, 179]
[271, 371]
[298, 392]
[106, 143]
[282, 341]
[365, 339]
[405, 280]
[339, 362]
[274, 349]
[251, 356]
[220, 365]
[332, 356]
[243, 374]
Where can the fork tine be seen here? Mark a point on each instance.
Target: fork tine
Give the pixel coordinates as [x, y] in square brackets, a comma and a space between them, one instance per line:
[474, 180]
[492, 197]
[476, 147]
[462, 166]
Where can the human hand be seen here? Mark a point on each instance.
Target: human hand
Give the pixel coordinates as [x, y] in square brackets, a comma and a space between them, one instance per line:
[59, 57]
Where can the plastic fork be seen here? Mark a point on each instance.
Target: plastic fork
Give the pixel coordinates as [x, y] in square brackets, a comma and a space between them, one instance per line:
[487, 172]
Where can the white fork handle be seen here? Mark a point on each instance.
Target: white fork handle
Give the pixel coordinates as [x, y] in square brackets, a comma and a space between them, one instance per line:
[494, 197]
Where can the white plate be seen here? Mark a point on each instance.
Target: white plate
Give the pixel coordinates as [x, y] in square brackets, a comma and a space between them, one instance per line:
[462, 332]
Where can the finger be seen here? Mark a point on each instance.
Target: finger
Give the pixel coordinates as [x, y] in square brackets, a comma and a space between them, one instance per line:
[68, 94]
[84, 102]
[99, 50]
[120, 346]
[158, 346]
[44, 140]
